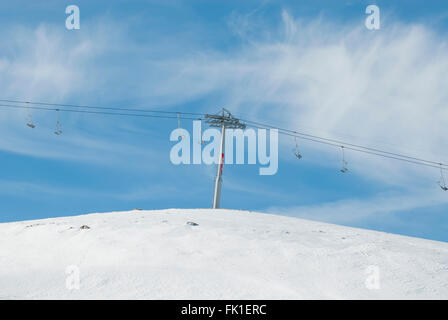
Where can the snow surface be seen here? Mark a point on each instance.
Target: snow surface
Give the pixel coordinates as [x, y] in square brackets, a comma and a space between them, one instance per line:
[228, 255]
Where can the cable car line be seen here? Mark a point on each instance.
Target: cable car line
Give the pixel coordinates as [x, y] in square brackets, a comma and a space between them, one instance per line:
[100, 112]
[339, 143]
[95, 107]
[358, 150]
[146, 113]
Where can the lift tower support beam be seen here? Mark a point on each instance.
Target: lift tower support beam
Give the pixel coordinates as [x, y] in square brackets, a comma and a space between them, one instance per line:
[225, 120]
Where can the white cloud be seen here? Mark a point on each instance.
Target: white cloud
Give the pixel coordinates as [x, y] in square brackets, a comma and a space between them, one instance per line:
[52, 64]
[43, 63]
[385, 88]
[350, 211]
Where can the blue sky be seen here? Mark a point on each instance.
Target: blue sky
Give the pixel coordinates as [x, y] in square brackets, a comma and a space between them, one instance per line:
[309, 65]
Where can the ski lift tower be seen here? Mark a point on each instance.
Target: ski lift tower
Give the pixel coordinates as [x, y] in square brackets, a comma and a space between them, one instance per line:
[223, 120]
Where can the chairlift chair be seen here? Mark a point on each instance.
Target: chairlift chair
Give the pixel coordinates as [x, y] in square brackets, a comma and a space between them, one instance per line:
[442, 183]
[29, 121]
[178, 124]
[58, 130]
[296, 150]
[344, 163]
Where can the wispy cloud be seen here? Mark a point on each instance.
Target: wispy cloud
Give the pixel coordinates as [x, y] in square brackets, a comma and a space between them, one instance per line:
[349, 211]
[50, 64]
[383, 89]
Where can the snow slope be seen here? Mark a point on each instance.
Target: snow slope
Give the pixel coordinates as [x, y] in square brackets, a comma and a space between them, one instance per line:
[228, 255]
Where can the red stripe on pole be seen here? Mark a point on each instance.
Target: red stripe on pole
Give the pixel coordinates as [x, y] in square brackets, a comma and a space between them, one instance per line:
[222, 161]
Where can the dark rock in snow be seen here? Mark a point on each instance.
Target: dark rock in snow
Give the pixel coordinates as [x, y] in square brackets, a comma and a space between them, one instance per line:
[84, 227]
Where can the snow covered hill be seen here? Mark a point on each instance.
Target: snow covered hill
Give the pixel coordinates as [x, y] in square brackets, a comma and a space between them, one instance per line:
[227, 255]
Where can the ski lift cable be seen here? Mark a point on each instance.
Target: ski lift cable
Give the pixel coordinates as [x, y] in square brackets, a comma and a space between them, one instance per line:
[97, 107]
[371, 153]
[344, 143]
[100, 112]
[249, 121]
[188, 116]
[348, 144]
[358, 150]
